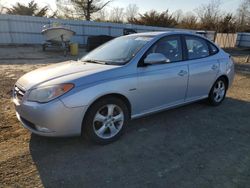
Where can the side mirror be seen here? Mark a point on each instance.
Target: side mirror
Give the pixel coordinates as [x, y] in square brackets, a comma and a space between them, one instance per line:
[155, 58]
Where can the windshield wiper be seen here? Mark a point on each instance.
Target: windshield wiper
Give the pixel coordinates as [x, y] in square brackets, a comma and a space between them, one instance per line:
[94, 61]
[103, 62]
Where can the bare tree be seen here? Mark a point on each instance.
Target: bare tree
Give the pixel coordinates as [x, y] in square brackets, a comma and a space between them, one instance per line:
[117, 15]
[154, 18]
[66, 10]
[209, 15]
[243, 15]
[1, 7]
[178, 15]
[101, 16]
[189, 21]
[227, 24]
[131, 12]
[82, 8]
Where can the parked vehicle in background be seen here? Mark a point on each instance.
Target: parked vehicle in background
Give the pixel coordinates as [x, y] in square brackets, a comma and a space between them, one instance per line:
[128, 77]
[129, 31]
[96, 41]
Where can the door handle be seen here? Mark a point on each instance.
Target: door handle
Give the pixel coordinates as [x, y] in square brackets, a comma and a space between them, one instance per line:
[182, 73]
[214, 67]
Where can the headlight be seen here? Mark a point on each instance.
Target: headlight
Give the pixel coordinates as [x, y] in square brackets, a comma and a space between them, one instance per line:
[46, 94]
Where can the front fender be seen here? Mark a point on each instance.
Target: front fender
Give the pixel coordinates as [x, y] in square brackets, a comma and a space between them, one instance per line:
[86, 95]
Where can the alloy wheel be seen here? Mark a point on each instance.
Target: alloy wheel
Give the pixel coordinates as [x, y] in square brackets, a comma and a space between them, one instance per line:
[219, 91]
[108, 121]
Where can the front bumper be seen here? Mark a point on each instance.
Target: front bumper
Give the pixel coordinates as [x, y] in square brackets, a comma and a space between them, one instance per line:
[52, 119]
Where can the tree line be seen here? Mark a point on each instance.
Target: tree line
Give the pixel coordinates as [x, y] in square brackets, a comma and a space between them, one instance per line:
[205, 17]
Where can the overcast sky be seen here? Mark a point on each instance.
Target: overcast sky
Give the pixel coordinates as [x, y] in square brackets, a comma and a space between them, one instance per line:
[146, 5]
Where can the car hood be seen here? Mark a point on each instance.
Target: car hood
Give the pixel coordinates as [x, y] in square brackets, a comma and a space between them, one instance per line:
[67, 70]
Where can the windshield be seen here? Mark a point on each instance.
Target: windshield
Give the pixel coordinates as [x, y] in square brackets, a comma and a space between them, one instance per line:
[117, 51]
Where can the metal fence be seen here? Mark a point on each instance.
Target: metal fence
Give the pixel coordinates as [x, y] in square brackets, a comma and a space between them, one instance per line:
[243, 40]
[27, 29]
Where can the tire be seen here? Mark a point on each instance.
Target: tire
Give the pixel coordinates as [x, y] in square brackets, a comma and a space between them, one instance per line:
[102, 126]
[218, 92]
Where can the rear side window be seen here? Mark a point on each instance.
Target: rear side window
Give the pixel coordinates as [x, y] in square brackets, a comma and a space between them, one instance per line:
[213, 49]
[196, 47]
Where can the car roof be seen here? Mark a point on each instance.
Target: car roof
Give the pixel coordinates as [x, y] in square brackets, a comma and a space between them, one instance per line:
[155, 33]
[163, 33]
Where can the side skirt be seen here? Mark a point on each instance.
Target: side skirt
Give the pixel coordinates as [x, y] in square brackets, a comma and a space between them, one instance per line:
[168, 107]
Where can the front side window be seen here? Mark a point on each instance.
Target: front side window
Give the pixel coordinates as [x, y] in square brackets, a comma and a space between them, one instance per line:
[170, 47]
[197, 47]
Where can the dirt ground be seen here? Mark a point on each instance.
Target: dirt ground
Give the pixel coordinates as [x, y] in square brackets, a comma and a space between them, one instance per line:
[192, 146]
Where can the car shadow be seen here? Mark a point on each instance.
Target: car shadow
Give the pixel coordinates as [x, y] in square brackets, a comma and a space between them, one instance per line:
[195, 145]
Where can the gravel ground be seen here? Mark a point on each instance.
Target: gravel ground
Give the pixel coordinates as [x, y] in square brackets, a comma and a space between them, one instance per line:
[192, 146]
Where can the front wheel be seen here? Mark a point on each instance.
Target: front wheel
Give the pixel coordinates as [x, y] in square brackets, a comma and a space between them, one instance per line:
[106, 120]
[218, 92]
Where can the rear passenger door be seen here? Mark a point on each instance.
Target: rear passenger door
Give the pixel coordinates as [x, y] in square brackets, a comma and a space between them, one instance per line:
[203, 67]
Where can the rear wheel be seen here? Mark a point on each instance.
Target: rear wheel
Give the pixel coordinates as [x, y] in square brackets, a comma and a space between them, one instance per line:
[106, 120]
[218, 92]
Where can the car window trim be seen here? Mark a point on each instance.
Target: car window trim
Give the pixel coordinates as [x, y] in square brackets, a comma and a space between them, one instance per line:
[141, 61]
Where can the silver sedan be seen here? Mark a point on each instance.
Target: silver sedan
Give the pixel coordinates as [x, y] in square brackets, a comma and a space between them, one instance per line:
[126, 78]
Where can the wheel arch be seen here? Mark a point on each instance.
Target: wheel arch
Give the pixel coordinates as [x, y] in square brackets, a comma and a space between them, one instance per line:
[116, 95]
[225, 77]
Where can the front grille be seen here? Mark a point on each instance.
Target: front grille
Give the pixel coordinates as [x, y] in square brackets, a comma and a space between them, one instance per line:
[18, 92]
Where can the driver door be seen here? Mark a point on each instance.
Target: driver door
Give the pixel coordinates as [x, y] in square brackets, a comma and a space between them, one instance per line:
[163, 85]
